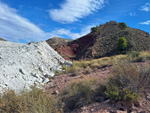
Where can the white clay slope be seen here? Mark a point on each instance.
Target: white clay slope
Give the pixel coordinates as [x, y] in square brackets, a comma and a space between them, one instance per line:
[24, 65]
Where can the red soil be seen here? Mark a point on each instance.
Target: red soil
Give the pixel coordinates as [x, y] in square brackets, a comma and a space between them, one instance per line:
[77, 47]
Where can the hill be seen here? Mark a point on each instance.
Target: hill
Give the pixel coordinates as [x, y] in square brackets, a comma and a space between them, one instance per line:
[1, 39]
[56, 41]
[103, 42]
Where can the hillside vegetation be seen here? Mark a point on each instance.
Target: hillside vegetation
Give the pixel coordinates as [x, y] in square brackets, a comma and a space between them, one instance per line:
[102, 41]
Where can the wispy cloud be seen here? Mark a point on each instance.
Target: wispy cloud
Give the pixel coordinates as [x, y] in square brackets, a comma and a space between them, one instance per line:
[72, 10]
[146, 7]
[132, 14]
[13, 27]
[84, 31]
[145, 23]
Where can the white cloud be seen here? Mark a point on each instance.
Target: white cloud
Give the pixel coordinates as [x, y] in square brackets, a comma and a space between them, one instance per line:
[84, 31]
[72, 10]
[146, 7]
[14, 27]
[145, 23]
[132, 14]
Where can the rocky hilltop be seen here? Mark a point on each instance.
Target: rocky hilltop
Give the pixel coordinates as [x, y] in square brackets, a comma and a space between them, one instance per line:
[23, 65]
[104, 42]
[57, 41]
[1, 39]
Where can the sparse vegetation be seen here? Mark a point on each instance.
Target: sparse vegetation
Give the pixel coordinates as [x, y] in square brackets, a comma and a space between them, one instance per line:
[93, 45]
[122, 26]
[128, 80]
[78, 94]
[35, 101]
[133, 56]
[95, 29]
[125, 84]
[138, 56]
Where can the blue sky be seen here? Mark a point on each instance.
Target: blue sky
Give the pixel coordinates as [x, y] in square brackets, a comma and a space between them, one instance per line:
[35, 20]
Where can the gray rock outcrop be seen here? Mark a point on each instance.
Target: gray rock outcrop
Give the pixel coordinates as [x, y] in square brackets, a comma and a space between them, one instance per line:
[24, 65]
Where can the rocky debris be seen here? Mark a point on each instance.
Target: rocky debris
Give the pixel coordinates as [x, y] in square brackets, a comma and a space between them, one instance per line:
[68, 63]
[148, 96]
[23, 65]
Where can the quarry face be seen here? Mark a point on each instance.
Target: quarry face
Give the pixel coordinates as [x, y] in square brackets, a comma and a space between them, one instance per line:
[25, 65]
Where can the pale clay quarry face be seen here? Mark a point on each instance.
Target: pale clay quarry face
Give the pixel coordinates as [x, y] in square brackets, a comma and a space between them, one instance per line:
[24, 65]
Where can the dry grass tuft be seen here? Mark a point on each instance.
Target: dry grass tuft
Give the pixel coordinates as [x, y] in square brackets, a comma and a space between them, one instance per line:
[78, 93]
[35, 101]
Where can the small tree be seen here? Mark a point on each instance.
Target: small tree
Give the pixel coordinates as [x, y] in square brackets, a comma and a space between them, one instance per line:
[122, 26]
[121, 44]
[94, 29]
[100, 25]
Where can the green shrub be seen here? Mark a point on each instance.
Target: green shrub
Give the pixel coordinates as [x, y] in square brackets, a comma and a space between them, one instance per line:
[112, 93]
[121, 44]
[124, 94]
[129, 95]
[127, 82]
[122, 26]
[94, 29]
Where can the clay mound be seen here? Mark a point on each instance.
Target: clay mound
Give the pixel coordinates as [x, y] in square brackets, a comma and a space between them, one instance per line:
[23, 65]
